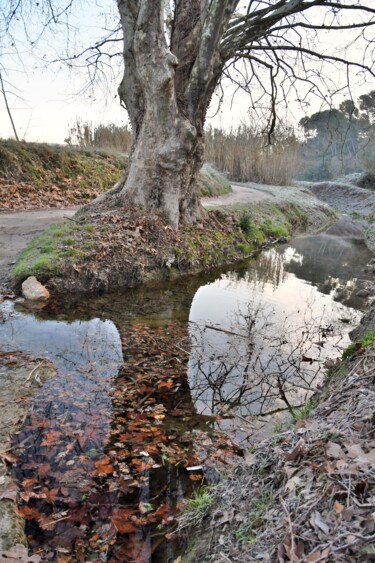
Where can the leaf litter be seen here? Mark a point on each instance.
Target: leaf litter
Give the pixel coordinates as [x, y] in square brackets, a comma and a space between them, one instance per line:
[103, 480]
[312, 487]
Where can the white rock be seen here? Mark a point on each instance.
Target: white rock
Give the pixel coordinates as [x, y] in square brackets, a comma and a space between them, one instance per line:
[33, 290]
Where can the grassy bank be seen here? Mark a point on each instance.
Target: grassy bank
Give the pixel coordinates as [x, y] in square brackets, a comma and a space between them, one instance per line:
[112, 249]
[34, 176]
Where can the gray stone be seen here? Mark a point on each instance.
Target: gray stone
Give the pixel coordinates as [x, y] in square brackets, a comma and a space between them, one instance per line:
[362, 293]
[33, 290]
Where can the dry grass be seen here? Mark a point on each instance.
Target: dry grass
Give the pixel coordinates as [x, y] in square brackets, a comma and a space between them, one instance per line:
[110, 136]
[244, 154]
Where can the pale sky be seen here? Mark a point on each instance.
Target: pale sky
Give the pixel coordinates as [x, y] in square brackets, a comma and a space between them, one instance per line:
[45, 99]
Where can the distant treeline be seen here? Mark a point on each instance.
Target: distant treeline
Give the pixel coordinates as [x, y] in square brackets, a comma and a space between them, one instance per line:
[328, 144]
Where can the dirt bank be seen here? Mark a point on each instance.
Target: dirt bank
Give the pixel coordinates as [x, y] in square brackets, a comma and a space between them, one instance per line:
[359, 203]
[109, 248]
[307, 493]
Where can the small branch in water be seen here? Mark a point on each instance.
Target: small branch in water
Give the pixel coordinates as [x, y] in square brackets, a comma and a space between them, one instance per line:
[54, 522]
[34, 370]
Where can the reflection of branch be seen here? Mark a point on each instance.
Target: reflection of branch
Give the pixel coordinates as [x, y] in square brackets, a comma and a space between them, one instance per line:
[259, 373]
[226, 331]
[283, 396]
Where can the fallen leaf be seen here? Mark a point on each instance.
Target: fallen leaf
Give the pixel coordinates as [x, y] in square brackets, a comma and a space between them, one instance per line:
[334, 450]
[120, 520]
[10, 492]
[338, 507]
[8, 457]
[317, 555]
[317, 521]
[297, 451]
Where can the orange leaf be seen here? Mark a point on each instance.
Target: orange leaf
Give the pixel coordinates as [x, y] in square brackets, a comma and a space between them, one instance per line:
[120, 520]
[167, 384]
[103, 466]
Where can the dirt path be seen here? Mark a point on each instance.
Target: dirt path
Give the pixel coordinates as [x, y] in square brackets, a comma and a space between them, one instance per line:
[249, 193]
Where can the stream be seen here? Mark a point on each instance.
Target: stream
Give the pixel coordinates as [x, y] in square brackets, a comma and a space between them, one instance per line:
[124, 433]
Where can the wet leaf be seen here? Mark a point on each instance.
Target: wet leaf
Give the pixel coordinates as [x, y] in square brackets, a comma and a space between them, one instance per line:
[103, 467]
[121, 521]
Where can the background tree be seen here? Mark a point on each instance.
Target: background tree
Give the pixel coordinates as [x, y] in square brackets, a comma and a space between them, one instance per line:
[176, 54]
[337, 140]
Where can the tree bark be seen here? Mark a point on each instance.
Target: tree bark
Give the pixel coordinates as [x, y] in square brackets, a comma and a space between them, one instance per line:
[168, 148]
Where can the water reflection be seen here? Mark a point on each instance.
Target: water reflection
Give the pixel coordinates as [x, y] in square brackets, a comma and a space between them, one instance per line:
[262, 336]
[334, 264]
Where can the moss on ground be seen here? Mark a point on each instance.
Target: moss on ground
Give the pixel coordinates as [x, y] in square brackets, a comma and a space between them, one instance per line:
[49, 253]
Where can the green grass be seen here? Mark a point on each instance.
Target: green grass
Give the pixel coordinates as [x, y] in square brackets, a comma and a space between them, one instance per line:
[46, 253]
[302, 412]
[272, 230]
[201, 501]
[251, 229]
[366, 341]
[246, 532]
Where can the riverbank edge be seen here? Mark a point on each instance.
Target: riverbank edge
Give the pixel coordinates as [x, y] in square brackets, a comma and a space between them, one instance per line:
[288, 500]
[267, 222]
[109, 249]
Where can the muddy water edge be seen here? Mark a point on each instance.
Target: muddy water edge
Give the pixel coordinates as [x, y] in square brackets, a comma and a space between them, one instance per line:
[158, 389]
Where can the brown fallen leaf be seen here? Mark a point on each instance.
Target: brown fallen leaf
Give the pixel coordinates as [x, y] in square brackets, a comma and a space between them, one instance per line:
[297, 451]
[334, 450]
[321, 556]
[10, 492]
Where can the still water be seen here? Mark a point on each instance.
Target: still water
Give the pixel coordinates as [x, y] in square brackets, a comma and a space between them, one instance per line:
[100, 440]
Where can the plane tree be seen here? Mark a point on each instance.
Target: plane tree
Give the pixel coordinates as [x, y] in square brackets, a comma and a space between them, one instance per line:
[176, 53]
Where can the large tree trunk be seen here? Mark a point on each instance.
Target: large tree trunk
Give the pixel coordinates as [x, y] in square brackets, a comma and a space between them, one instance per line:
[167, 96]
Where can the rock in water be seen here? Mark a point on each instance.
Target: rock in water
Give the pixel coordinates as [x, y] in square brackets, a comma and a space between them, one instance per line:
[33, 290]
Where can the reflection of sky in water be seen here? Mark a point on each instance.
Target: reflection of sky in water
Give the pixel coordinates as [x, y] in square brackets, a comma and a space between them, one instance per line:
[284, 319]
[70, 345]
